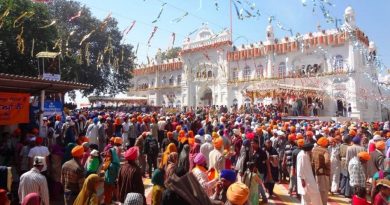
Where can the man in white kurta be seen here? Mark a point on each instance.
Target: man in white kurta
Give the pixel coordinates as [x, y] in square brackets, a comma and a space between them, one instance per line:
[307, 185]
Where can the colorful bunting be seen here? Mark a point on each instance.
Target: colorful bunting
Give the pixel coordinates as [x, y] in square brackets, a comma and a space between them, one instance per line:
[20, 41]
[26, 14]
[152, 34]
[5, 14]
[50, 24]
[177, 20]
[127, 30]
[86, 37]
[75, 16]
[173, 39]
[159, 14]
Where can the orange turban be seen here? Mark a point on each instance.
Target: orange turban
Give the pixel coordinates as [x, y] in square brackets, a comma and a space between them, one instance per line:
[300, 143]
[309, 134]
[178, 128]
[112, 139]
[237, 193]
[292, 129]
[132, 120]
[291, 137]
[380, 145]
[118, 140]
[214, 135]
[323, 142]
[299, 136]
[78, 151]
[218, 142]
[169, 135]
[131, 154]
[259, 130]
[352, 133]
[139, 119]
[364, 156]
[190, 134]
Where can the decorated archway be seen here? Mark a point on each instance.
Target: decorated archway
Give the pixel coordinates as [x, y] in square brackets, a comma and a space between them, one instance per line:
[205, 96]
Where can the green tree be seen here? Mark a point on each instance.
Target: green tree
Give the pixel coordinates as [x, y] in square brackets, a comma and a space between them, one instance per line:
[12, 59]
[100, 60]
[171, 53]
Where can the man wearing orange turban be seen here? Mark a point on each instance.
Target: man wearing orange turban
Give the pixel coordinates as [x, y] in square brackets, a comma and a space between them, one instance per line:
[216, 157]
[321, 160]
[237, 193]
[357, 177]
[71, 175]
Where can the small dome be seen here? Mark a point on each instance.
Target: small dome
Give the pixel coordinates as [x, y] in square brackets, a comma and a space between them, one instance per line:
[270, 28]
[372, 45]
[349, 10]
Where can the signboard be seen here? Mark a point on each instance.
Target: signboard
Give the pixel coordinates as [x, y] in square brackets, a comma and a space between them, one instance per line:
[52, 108]
[14, 108]
[50, 76]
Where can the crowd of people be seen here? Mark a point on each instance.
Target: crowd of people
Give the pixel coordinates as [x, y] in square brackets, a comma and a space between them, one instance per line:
[194, 156]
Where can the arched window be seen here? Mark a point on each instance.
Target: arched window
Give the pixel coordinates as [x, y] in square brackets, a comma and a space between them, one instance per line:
[282, 70]
[179, 79]
[259, 71]
[235, 74]
[338, 63]
[171, 80]
[210, 74]
[164, 80]
[247, 73]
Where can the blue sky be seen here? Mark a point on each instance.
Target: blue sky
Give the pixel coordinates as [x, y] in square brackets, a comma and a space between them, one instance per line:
[371, 16]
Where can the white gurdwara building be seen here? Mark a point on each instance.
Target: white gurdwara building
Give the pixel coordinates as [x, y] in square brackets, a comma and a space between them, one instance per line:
[330, 70]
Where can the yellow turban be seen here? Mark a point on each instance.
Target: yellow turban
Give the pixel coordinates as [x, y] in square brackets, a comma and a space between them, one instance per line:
[381, 145]
[323, 142]
[78, 151]
[364, 156]
[237, 193]
[214, 135]
[300, 143]
[218, 142]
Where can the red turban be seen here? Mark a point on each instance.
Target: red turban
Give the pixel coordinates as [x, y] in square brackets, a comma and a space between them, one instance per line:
[38, 140]
[131, 154]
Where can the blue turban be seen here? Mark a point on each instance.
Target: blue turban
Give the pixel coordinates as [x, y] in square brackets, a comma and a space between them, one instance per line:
[95, 120]
[356, 140]
[229, 175]
[201, 132]
[221, 127]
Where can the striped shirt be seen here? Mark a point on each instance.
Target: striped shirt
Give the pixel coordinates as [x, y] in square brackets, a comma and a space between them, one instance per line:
[33, 182]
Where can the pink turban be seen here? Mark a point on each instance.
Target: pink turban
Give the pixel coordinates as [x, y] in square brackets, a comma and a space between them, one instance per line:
[131, 154]
[200, 159]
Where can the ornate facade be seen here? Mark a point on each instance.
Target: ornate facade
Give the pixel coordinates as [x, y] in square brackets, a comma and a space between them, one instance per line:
[328, 67]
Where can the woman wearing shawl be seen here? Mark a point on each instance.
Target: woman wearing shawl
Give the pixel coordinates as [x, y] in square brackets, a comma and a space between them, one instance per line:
[110, 168]
[164, 159]
[184, 160]
[193, 152]
[56, 156]
[158, 186]
[68, 152]
[91, 191]
[93, 163]
[32, 199]
[171, 165]
[200, 172]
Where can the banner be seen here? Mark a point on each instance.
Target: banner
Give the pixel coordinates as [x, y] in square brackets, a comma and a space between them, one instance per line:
[14, 108]
[52, 108]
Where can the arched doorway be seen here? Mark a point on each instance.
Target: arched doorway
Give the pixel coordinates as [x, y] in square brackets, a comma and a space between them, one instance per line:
[207, 97]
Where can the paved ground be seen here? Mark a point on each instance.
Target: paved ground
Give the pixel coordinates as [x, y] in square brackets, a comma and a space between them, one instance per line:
[281, 191]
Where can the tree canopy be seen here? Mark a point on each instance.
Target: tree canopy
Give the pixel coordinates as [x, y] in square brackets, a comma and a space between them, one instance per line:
[91, 49]
[171, 53]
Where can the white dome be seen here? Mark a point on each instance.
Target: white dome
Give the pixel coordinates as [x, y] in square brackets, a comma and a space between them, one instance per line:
[372, 45]
[349, 11]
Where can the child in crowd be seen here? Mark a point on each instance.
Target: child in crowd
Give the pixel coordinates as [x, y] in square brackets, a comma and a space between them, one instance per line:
[252, 180]
[360, 196]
